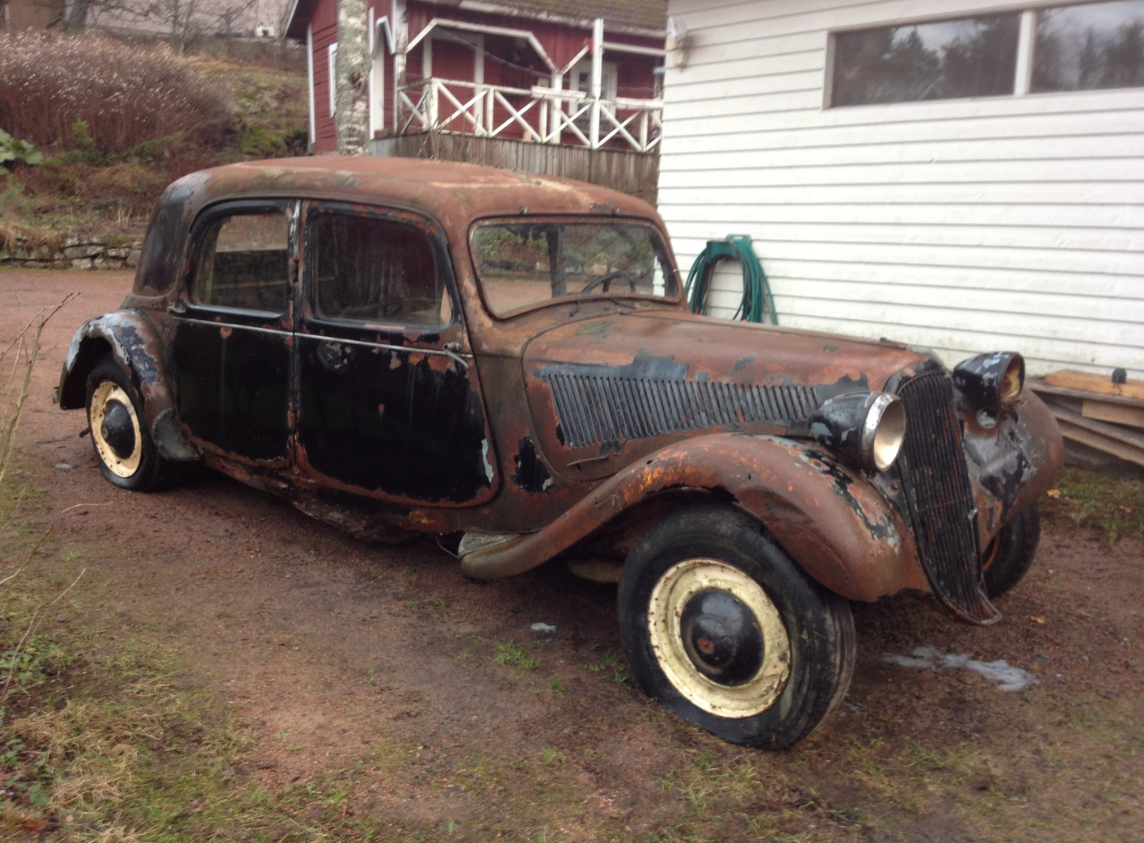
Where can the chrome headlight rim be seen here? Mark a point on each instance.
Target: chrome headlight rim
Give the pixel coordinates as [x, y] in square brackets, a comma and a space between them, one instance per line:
[883, 432]
[866, 428]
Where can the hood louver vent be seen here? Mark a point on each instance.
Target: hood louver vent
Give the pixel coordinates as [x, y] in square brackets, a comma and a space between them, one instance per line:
[608, 410]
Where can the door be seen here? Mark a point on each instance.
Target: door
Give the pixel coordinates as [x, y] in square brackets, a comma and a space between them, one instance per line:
[231, 347]
[388, 399]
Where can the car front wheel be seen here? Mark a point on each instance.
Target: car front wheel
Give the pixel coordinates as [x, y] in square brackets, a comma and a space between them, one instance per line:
[725, 629]
[123, 446]
[1010, 555]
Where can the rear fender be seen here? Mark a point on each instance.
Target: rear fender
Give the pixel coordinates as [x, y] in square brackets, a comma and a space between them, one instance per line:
[132, 341]
[832, 522]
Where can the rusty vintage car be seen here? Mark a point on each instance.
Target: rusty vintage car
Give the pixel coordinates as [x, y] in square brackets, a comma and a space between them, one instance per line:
[509, 360]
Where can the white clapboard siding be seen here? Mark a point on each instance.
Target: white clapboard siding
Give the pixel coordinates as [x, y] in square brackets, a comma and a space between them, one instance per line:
[961, 225]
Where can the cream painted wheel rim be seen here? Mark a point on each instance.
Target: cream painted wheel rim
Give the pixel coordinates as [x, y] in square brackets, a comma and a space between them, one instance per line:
[664, 619]
[106, 393]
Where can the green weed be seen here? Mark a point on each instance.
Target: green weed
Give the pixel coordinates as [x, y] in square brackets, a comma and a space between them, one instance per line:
[510, 654]
[613, 666]
[1101, 506]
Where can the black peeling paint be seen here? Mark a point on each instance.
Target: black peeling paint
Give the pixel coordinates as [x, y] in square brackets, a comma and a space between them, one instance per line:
[843, 386]
[1001, 461]
[980, 379]
[233, 387]
[428, 444]
[531, 475]
[743, 363]
[880, 530]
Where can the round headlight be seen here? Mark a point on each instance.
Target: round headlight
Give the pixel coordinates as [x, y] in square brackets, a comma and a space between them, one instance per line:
[991, 382]
[1012, 382]
[866, 428]
[884, 431]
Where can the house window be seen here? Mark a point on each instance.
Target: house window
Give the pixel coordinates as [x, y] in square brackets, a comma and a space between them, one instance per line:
[967, 57]
[1081, 48]
[582, 79]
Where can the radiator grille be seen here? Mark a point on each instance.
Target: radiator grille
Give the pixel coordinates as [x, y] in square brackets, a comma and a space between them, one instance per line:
[609, 409]
[932, 466]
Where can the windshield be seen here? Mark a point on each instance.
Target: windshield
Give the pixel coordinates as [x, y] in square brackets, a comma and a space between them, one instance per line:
[526, 263]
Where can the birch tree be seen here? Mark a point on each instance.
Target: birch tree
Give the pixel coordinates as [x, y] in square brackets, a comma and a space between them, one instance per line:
[351, 72]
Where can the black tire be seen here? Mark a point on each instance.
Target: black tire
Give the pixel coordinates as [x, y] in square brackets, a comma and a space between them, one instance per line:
[779, 646]
[123, 446]
[1011, 553]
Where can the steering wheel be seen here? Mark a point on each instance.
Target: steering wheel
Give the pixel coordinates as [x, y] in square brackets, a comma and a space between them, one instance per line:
[607, 279]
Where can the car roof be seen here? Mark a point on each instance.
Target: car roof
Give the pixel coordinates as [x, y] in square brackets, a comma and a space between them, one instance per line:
[451, 192]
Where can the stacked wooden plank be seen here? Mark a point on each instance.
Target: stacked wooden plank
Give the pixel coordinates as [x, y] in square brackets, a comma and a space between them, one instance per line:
[1093, 410]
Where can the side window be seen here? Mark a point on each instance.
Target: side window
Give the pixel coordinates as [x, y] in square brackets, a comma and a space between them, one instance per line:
[243, 262]
[369, 269]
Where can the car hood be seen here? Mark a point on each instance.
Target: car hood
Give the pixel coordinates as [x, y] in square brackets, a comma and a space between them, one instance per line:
[607, 390]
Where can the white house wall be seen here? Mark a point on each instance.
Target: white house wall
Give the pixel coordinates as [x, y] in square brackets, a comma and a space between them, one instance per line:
[963, 225]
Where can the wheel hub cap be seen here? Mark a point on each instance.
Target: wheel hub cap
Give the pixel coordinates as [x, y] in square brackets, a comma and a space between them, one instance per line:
[722, 637]
[115, 430]
[118, 429]
[718, 637]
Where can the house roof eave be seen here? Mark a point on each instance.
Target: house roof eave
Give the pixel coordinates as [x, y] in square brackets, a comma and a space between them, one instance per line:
[493, 7]
[297, 18]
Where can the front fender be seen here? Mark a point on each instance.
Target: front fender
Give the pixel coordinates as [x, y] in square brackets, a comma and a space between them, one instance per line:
[832, 522]
[132, 341]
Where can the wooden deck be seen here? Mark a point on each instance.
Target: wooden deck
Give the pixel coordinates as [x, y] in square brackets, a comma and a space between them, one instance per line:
[635, 173]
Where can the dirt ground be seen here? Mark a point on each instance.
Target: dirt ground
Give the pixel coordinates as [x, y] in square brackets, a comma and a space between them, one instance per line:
[343, 654]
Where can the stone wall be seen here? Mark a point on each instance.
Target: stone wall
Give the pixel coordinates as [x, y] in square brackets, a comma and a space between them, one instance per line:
[76, 251]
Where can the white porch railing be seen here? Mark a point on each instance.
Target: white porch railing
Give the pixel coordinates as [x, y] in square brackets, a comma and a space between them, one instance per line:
[549, 115]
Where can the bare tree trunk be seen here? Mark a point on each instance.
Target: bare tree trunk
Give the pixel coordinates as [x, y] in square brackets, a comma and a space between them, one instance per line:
[351, 71]
[76, 20]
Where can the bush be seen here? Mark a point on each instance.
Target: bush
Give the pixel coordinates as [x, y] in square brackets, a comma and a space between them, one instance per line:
[123, 96]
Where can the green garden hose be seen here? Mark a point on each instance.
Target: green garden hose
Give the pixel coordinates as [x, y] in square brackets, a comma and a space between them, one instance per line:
[757, 298]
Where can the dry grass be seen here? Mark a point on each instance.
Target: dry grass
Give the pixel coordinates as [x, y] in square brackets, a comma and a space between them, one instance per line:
[90, 745]
[31, 238]
[126, 96]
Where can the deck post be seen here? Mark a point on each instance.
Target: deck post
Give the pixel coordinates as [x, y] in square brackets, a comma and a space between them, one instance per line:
[597, 80]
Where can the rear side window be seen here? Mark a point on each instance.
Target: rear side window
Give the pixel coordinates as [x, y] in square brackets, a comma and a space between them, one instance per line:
[377, 270]
[243, 263]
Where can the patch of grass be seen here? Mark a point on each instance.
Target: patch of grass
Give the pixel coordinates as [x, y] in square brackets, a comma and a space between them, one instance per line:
[511, 654]
[551, 756]
[614, 667]
[1101, 506]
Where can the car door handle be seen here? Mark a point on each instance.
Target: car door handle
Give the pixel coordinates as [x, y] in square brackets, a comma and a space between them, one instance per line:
[450, 350]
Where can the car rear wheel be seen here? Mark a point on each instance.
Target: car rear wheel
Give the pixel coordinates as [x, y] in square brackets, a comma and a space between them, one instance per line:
[725, 629]
[123, 446]
[1011, 553]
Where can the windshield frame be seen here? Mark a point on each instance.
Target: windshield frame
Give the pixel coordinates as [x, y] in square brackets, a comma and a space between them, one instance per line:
[666, 256]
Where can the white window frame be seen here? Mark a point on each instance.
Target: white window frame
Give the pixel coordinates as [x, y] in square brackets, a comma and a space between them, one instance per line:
[331, 57]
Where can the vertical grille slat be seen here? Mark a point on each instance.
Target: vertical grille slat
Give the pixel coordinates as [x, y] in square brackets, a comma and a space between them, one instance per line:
[940, 499]
[605, 409]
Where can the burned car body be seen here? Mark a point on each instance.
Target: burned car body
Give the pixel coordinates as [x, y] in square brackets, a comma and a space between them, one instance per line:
[398, 344]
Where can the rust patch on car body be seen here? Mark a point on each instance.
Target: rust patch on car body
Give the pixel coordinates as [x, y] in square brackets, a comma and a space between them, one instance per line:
[130, 337]
[833, 523]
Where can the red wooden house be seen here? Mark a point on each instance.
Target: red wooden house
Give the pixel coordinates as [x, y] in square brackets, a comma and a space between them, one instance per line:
[558, 72]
